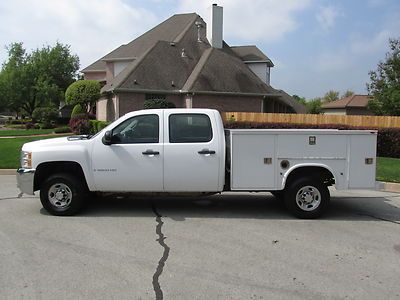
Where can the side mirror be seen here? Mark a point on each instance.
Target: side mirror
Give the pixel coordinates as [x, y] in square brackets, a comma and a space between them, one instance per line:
[107, 138]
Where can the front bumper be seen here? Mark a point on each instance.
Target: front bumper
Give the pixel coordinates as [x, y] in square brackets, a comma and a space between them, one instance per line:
[25, 179]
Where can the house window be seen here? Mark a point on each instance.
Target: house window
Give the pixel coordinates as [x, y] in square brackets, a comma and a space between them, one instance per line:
[155, 97]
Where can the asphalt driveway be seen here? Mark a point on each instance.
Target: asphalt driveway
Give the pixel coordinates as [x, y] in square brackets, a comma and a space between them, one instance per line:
[230, 246]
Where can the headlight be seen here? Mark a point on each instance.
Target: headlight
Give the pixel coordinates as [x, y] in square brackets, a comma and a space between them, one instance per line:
[26, 159]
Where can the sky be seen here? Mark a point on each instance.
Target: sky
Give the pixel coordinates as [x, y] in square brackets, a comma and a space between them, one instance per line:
[316, 45]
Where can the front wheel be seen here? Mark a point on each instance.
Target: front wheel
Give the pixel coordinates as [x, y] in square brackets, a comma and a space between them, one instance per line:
[307, 198]
[63, 195]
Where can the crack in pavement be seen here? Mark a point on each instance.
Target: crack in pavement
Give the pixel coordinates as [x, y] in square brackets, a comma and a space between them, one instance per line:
[379, 218]
[161, 263]
[9, 198]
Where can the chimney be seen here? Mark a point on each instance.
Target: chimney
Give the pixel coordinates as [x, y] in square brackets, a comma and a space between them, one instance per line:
[215, 26]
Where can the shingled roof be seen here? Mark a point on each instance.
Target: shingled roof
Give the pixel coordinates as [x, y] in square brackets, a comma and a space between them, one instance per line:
[251, 53]
[351, 101]
[176, 57]
[170, 30]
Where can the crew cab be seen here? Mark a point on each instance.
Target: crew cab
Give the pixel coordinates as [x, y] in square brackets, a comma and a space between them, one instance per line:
[188, 151]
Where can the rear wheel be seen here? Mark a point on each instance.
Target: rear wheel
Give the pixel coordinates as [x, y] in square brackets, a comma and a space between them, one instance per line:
[63, 195]
[307, 198]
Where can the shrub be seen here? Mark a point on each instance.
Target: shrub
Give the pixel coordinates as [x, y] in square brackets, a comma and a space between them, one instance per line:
[157, 103]
[83, 92]
[29, 125]
[80, 124]
[46, 116]
[388, 142]
[46, 125]
[64, 129]
[18, 121]
[77, 110]
[16, 126]
[96, 126]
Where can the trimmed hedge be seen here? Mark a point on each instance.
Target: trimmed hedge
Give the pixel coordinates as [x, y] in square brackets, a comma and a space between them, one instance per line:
[64, 129]
[388, 144]
[18, 121]
[77, 110]
[95, 126]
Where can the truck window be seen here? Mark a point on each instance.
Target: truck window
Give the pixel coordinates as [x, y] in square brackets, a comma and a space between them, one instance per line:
[189, 128]
[137, 130]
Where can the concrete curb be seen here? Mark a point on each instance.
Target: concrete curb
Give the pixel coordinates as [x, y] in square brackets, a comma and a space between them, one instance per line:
[388, 186]
[380, 185]
[8, 171]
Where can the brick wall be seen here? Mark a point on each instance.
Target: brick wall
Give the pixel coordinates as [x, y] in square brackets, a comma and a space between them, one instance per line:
[228, 103]
[130, 102]
[134, 101]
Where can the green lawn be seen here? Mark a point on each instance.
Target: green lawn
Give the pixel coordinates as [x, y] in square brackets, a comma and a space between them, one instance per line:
[18, 132]
[10, 150]
[388, 169]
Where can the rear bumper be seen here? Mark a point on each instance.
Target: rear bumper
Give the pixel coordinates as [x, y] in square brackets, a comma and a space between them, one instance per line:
[25, 179]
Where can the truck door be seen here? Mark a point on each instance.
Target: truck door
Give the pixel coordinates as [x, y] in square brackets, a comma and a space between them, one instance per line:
[134, 160]
[191, 152]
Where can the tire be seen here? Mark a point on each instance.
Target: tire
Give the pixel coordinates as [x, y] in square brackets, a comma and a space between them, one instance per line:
[63, 195]
[307, 198]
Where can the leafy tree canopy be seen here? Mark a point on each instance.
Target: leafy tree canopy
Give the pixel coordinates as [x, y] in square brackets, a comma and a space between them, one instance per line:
[37, 79]
[347, 93]
[83, 92]
[330, 96]
[313, 106]
[384, 83]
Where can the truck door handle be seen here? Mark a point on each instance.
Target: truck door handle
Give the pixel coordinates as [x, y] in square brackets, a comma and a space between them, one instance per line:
[206, 151]
[150, 152]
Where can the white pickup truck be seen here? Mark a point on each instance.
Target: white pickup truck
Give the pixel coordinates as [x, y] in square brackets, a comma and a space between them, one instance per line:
[188, 151]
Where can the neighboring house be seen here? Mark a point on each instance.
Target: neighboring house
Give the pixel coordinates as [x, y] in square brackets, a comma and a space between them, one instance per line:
[352, 105]
[184, 62]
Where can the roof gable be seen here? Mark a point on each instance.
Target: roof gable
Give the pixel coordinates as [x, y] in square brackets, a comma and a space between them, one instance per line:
[251, 53]
[170, 30]
[162, 67]
[222, 72]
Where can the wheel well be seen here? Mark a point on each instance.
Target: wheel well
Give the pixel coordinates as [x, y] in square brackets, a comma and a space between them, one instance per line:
[321, 173]
[44, 170]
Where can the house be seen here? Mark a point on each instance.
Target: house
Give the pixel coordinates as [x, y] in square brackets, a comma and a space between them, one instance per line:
[352, 105]
[184, 61]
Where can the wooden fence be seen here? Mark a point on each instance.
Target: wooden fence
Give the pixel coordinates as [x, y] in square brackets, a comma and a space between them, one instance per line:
[361, 121]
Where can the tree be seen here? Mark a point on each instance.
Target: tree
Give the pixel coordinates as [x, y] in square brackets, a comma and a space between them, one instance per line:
[299, 99]
[384, 83]
[83, 92]
[38, 79]
[348, 93]
[12, 88]
[314, 106]
[330, 96]
[157, 103]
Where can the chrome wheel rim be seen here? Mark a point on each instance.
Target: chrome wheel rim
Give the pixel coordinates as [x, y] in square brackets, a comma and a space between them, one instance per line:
[60, 195]
[308, 198]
